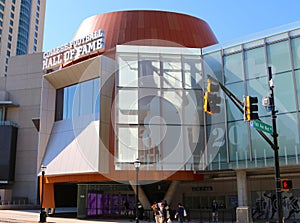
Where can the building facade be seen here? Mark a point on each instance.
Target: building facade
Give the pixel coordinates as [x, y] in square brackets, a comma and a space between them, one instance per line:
[21, 33]
[127, 88]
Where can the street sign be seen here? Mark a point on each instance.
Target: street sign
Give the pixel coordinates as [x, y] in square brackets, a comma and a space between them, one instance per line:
[257, 124]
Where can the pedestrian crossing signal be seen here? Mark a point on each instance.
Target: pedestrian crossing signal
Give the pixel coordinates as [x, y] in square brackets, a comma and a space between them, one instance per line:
[286, 184]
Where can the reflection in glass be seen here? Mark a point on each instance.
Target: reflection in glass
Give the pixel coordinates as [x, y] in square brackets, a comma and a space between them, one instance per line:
[82, 99]
[128, 71]
[165, 116]
[213, 65]
[149, 73]
[288, 135]
[284, 92]
[127, 144]
[172, 73]
[296, 52]
[279, 57]
[238, 141]
[297, 77]
[192, 73]
[255, 63]
[127, 110]
[232, 111]
[233, 68]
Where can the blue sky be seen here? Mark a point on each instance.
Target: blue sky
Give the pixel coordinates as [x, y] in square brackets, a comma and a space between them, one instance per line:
[229, 19]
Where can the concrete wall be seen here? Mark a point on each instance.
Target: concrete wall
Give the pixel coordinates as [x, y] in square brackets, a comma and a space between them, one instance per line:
[24, 84]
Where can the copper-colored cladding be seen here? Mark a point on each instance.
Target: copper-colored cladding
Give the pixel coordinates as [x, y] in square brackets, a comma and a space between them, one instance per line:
[148, 27]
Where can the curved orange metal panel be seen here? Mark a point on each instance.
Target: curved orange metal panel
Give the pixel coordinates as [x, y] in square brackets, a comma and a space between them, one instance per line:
[123, 27]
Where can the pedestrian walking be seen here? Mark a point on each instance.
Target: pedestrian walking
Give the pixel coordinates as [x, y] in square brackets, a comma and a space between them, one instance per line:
[214, 211]
[180, 213]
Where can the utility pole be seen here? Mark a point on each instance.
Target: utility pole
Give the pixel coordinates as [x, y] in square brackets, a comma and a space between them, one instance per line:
[275, 148]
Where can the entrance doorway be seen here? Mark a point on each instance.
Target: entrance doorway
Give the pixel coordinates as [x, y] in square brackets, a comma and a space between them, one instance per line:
[105, 200]
[116, 204]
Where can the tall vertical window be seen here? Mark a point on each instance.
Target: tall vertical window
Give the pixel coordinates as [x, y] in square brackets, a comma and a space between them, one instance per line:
[78, 100]
[24, 25]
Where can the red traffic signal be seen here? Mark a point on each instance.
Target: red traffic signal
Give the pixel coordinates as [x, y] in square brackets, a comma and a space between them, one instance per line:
[286, 184]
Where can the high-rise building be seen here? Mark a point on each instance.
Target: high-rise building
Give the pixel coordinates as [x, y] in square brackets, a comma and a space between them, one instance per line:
[21, 29]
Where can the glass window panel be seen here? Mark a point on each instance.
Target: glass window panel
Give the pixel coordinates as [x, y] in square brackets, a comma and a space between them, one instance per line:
[149, 104]
[68, 102]
[127, 144]
[86, 98]
[127, 108]
[296, 52]
[96, 95]
[288, 135]
[233, 68]
[128, 71]
[232, 111]
[171, 106]
[262, 153]
[279, 57]
[284, 93]
[172, 72]
[213, 65]
[173, 152]
[297, 76]
[192, 107]
[255, 63]
[238, 143]
[216, 142]
[192, 74]
[149, 73]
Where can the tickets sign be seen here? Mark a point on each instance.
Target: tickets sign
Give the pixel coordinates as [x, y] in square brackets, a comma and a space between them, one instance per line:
[74, 50]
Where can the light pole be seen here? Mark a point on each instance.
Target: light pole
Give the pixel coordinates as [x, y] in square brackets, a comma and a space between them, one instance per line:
[137, 164]
[43, 215]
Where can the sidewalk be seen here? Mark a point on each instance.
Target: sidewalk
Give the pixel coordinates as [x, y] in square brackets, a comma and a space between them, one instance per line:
[33, 216]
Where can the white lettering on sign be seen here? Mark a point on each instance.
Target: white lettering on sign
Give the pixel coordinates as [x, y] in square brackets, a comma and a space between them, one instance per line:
[73, 50]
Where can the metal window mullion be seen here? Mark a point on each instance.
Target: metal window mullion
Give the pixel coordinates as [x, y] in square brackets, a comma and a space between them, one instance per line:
[247, 93]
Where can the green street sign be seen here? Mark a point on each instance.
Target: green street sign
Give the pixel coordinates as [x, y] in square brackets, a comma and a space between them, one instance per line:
[259, 125]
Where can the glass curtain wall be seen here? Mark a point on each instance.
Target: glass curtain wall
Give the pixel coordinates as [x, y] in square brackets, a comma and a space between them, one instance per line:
[243, 70]
[158, 107]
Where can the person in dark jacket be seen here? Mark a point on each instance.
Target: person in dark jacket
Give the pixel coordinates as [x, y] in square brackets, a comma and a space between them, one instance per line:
[180, 213]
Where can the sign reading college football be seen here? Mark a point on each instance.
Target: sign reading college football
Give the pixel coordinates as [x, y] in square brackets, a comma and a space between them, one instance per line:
[73, 50]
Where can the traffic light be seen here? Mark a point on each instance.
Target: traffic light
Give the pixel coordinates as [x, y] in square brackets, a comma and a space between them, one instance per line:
[250, 108]
[286, 184]
[211, 99]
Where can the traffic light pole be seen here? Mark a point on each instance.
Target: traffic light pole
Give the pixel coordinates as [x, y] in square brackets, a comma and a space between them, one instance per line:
[275, 148]
[274, 144]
